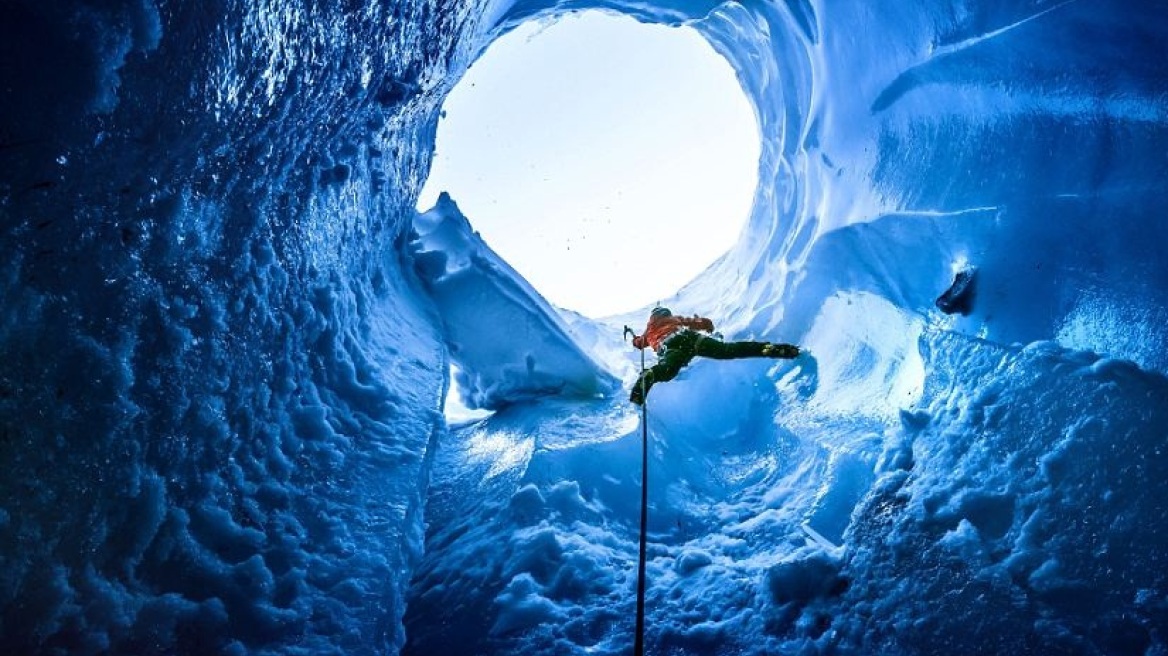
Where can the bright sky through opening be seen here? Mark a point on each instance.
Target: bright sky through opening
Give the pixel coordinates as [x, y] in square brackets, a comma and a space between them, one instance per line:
[608, 161]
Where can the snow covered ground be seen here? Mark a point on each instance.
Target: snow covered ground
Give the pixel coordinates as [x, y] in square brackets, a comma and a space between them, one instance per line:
[227, 338]
[960, 494]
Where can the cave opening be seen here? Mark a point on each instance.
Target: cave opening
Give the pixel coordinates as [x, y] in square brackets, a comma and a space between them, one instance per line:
[609, 161]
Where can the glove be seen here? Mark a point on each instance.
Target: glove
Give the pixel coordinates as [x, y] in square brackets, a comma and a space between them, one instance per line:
[704, 324]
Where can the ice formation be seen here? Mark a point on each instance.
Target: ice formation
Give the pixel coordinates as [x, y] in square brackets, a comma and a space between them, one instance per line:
[508, 343]
[226, 342]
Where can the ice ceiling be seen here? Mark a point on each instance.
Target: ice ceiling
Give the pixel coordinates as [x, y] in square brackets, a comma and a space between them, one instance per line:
[223, 363]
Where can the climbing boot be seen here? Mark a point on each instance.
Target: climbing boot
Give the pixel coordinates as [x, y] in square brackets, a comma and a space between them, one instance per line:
[785, 351]
[641, 388]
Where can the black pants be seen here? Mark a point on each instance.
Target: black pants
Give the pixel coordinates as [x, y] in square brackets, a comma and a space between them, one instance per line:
[685, 346]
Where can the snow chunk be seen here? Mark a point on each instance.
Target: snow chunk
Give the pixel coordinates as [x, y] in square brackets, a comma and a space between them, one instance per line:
[691, 560]
[523, 607]
[804, 576]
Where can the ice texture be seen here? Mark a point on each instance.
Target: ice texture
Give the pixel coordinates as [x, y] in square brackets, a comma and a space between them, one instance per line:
[508, 343]
[225, 346]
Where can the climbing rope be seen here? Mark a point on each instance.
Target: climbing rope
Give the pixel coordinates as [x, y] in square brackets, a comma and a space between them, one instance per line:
[639, 642]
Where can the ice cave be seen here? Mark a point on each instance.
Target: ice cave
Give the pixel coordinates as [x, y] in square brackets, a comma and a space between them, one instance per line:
[227, 338]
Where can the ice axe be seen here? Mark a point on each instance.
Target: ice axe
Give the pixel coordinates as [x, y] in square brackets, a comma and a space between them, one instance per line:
[628, 331]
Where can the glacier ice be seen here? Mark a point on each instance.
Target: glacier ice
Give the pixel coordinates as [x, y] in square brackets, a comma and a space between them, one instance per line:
[223, 367]
[508, 343]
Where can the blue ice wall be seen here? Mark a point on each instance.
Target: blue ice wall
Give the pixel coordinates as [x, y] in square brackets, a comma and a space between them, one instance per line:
[1025, 139]
[216, 387]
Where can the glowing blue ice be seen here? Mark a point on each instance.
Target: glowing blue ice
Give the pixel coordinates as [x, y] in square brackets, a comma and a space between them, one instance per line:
[222, 376]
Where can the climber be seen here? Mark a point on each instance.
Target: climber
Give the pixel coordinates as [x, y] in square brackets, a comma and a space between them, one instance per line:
[676, 340]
